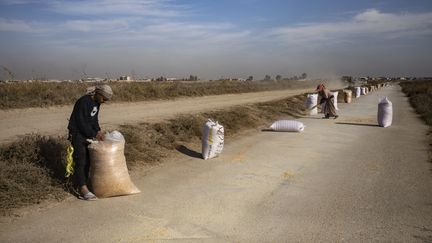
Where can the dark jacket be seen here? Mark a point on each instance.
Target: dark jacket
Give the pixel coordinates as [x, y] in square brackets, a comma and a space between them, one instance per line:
[84, 118]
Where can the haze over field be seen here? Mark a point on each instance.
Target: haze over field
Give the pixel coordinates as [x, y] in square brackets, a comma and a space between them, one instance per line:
[213, 39]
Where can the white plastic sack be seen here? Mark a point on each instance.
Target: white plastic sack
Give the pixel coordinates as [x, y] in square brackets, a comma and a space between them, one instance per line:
[363, 91]
[287, 126]
[311, 101]
[212, 140]
[108, 170]
[357, 92]
[335, 99]
[385, 112]
[114, 136]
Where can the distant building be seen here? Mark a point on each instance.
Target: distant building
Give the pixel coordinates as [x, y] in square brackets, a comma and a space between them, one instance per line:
[125, 78]
[92, 80]
[143, 80]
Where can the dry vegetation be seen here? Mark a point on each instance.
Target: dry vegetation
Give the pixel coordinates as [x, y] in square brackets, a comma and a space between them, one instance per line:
[420, 97]
[32, 169]
[37, 94]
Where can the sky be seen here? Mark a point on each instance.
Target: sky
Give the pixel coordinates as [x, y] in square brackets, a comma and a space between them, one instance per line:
[214, 39]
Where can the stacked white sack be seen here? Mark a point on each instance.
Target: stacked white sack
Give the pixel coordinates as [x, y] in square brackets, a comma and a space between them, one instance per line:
[212, 140]
[311, 101]
[287, 126]
[335, 99]
[385, 112]
[357, 92]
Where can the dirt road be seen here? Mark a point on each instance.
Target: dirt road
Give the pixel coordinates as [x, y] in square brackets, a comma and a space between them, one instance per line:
[53, 120]
[339, 180]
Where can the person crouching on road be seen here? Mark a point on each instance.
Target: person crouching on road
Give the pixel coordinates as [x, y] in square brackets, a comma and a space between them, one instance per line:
[83, 125]
[327, 99]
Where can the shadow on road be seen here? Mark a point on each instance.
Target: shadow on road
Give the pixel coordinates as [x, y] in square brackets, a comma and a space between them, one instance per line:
[267, 130]
[184, 150]
[357, 124]
[310, 117]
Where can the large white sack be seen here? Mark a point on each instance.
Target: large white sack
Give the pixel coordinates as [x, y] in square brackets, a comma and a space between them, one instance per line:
[287, 126]
[212, 139]
[335, 94]
[108, 170]
[322, 107]
[385, 112]
[311, 101]
[357, 92]
[363, 91]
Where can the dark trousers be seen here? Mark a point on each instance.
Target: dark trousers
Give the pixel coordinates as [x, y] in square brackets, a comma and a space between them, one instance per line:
[81, 158]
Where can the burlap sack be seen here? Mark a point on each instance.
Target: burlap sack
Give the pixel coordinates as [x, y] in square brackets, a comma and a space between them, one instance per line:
[108, 170]
[347, 96]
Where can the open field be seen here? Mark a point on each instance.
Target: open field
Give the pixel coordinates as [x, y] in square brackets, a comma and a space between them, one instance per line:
[38, 94]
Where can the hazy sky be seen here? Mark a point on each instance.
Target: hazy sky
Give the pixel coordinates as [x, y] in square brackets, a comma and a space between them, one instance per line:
[215, 38]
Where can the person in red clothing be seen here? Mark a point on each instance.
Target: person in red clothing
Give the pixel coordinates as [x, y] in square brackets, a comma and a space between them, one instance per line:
[83, 125]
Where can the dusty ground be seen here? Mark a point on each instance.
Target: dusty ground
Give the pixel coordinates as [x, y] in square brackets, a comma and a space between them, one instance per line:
[339, 180]
[53, 120]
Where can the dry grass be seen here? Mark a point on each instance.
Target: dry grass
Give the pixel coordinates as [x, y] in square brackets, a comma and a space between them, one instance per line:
[420, 97]
[37, 94]
[32, 169]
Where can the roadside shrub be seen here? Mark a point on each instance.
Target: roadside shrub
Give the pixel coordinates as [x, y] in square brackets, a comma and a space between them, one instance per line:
[32, 170]
[420, 97]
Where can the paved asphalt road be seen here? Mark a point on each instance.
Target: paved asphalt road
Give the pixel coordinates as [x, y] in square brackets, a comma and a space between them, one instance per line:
[344, 180]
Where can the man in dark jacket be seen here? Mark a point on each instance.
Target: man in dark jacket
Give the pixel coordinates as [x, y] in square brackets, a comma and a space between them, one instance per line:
[83, 125]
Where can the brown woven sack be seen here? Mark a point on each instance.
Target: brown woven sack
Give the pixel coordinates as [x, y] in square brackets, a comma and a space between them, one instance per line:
[108, 170]
[347, 96]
